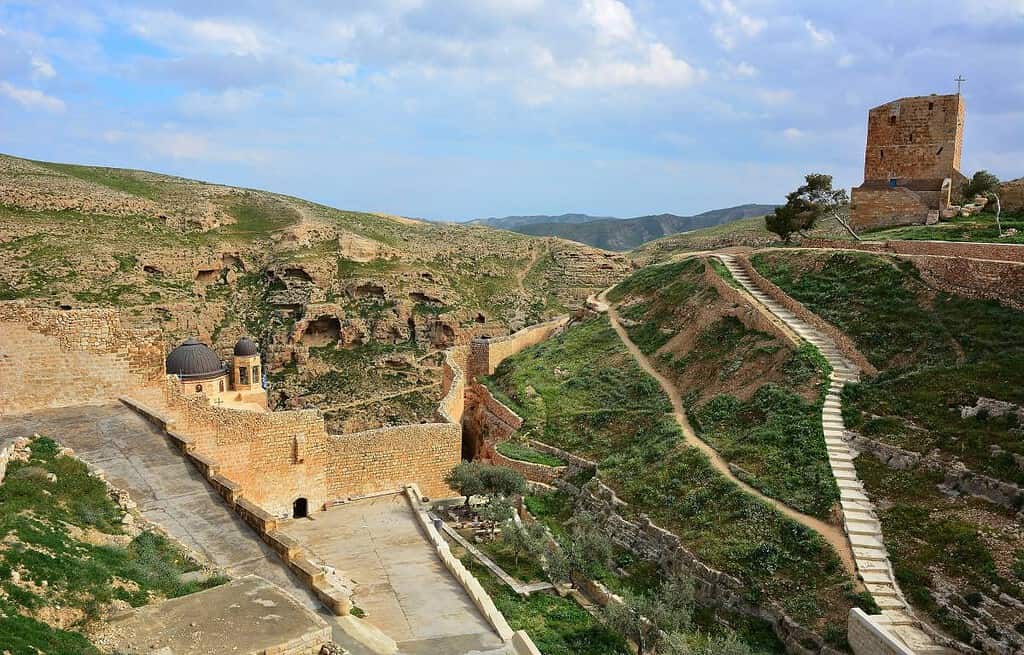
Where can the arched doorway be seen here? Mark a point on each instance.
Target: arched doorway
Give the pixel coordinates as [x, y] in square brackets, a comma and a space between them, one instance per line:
[300, 508]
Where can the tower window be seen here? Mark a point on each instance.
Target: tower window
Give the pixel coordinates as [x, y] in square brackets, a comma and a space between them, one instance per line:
[881, 154]
[243, 375]
[939, 151]
[892, 120]
[931, 106]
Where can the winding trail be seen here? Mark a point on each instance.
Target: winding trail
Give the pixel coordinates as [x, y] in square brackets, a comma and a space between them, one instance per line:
[830, 533]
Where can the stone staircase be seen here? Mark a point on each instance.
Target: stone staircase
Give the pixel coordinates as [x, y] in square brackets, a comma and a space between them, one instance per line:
[860, 521]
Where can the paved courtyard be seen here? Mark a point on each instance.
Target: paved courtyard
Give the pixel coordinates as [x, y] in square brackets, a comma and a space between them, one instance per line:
[403, 587]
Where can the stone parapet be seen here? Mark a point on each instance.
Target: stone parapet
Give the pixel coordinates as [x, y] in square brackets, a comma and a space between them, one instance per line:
[1005, 252]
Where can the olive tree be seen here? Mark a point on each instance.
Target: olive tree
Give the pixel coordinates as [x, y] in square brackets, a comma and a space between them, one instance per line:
[648, 619]
[807, 205]
[476, 479]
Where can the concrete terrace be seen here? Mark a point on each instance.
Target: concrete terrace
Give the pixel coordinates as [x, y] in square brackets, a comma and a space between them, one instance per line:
[402, 585]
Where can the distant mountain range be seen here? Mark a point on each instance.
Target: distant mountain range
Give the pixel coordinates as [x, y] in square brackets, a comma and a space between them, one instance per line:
[620, 233]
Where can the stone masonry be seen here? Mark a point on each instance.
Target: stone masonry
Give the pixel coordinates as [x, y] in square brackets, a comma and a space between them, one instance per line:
[911, 161]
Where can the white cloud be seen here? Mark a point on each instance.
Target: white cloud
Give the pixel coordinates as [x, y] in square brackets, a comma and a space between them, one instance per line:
[31, 98]
[742, 69]
[42, 69]
[820, 37]
[225, 103]
[774, 96]
[182, 34]
[732, 23]
[846, 60]
[792, 133]
[612, 20]
[659, 68]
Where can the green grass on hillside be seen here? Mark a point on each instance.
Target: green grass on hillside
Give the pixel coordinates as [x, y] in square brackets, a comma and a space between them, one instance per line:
[926, 540]
[557, 626]
[583, 392]
[981, 227]
[38, 516]
[937, 351]
[118, 179]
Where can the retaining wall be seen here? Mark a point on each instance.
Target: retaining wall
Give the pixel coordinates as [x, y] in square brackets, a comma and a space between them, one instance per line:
[1006, 252]
[58, 358]
[867, 637]
[713, 588]
[842, 341]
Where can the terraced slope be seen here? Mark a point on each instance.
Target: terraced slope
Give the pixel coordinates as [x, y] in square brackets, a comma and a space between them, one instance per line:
[754, 395]
[941, 421]
[583, 391]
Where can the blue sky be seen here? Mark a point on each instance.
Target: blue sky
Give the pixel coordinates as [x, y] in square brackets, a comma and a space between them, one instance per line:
[455, 109]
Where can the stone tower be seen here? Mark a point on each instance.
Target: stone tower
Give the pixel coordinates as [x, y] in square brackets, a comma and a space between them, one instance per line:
[915, 139]
[911, 162]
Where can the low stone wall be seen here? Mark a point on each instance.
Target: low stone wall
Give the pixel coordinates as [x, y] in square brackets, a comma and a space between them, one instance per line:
[58, 358]
[713, 588]
[569, 458]
[1006, 252]
[529, 470]
[867, 637]
[7, 453]
[519, 640]
[843, 342]
[975, 278]
[746, 311]
[454, 378]
[957, 477]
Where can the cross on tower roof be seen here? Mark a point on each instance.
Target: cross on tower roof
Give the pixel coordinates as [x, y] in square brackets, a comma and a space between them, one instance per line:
[959, 79]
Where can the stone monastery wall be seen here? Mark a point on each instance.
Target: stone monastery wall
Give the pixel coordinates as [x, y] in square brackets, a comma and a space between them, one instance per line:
[53, 358]
[56, 358]
[488, 353]
[885, 207]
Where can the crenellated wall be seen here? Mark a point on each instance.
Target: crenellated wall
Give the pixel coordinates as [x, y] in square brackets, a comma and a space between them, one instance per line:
[487, 353]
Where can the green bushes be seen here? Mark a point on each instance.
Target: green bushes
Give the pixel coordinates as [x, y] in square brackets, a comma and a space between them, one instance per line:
[36, 511]
[776, 440]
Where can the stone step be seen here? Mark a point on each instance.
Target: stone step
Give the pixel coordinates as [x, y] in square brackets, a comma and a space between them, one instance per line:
[850, 505]
[864, 527]
[853, 494]
[867, 542]
[864, 555]
[876, 576]
[890, 602]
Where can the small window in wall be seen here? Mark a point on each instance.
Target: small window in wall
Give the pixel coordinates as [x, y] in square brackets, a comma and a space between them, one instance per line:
[243, 375]
[222, 386]
[892, 120]
[298, 448]
[300, 508]
[892, 182]
[931, 106]
[939, 151]
[199, 388]
[881, 154]
[256, 375]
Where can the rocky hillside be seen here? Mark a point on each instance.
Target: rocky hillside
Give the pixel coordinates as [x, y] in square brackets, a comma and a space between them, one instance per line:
[326, 291]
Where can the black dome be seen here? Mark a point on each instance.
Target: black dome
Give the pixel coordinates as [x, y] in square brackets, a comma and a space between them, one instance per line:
[193, 360]
[245, 347]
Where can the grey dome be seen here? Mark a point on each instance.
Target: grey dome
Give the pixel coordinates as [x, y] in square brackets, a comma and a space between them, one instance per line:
[194, 361]
[246, 347]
